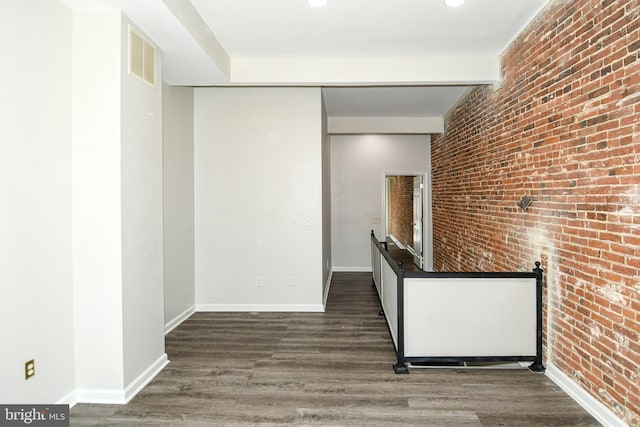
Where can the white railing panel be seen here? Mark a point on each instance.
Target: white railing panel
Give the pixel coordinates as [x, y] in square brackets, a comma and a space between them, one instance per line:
[469, 317]
[376, 259]
[390, 299]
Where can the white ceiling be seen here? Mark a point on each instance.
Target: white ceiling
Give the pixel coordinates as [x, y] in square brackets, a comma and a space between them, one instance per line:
[423, 54]
[363, 28]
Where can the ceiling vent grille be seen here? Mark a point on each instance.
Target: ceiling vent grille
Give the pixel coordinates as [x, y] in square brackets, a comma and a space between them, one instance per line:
[142, 58]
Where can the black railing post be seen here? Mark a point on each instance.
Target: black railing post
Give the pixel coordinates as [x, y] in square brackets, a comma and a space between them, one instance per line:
[400, 367]
[537, 365]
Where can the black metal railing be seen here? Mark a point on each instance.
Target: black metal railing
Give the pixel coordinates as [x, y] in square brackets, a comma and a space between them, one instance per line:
[401, 274]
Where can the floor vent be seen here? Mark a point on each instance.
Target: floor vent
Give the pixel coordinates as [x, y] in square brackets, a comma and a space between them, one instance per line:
[142, 58]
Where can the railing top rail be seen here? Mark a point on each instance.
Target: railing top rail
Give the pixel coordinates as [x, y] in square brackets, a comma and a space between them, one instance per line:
[448, 274]
[392, 263]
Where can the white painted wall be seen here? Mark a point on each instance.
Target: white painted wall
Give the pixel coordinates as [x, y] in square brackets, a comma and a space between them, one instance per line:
[117, 213]
[326, 204]
[177, 165]
[358, 165]
[97, 238]
[142, 241]
[35, 194]
[258, 177]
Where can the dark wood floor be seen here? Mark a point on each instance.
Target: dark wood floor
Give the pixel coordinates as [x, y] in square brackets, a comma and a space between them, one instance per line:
[329, 369]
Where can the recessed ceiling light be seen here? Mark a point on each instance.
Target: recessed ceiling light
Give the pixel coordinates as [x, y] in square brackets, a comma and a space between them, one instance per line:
[454, 3]
[318, 3]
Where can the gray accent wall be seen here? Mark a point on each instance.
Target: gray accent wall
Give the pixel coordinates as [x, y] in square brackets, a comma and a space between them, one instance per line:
[177, 167]
[358, 167]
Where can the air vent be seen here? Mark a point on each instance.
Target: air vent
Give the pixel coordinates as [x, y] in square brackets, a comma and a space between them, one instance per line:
[142, 58]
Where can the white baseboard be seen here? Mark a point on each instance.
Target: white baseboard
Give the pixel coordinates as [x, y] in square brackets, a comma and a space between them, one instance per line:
[104, 396]
[352, 269]
[284, 308]
[326, 290]
[69, 399]
[173, 323]
[145, 378]
[122, 396]
[600, 412]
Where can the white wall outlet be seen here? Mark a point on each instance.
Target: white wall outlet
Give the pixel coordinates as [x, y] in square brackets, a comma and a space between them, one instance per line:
[292, 281]
[259, 281]
[307, 221]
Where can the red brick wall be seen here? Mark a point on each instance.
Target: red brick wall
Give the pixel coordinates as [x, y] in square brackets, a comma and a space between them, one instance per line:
[401, 209]
[563, 127]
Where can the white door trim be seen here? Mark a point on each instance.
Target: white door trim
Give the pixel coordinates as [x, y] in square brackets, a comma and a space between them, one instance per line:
[427, 235]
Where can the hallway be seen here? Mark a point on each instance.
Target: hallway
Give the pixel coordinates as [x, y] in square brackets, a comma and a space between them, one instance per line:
[331, 368]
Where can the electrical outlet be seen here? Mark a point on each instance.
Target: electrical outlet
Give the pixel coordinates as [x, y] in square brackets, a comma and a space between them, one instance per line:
[29, 369]
[292, 281]
[259, 281]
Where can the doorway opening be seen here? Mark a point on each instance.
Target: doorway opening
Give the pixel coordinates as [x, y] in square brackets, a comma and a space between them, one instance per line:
[404, 208]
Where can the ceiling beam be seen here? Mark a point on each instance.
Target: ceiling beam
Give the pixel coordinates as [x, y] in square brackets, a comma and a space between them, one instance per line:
[385, 125]
[199, 30]
[433, 70]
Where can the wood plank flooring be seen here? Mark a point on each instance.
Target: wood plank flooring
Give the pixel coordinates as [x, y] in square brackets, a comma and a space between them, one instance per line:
[328, 369]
